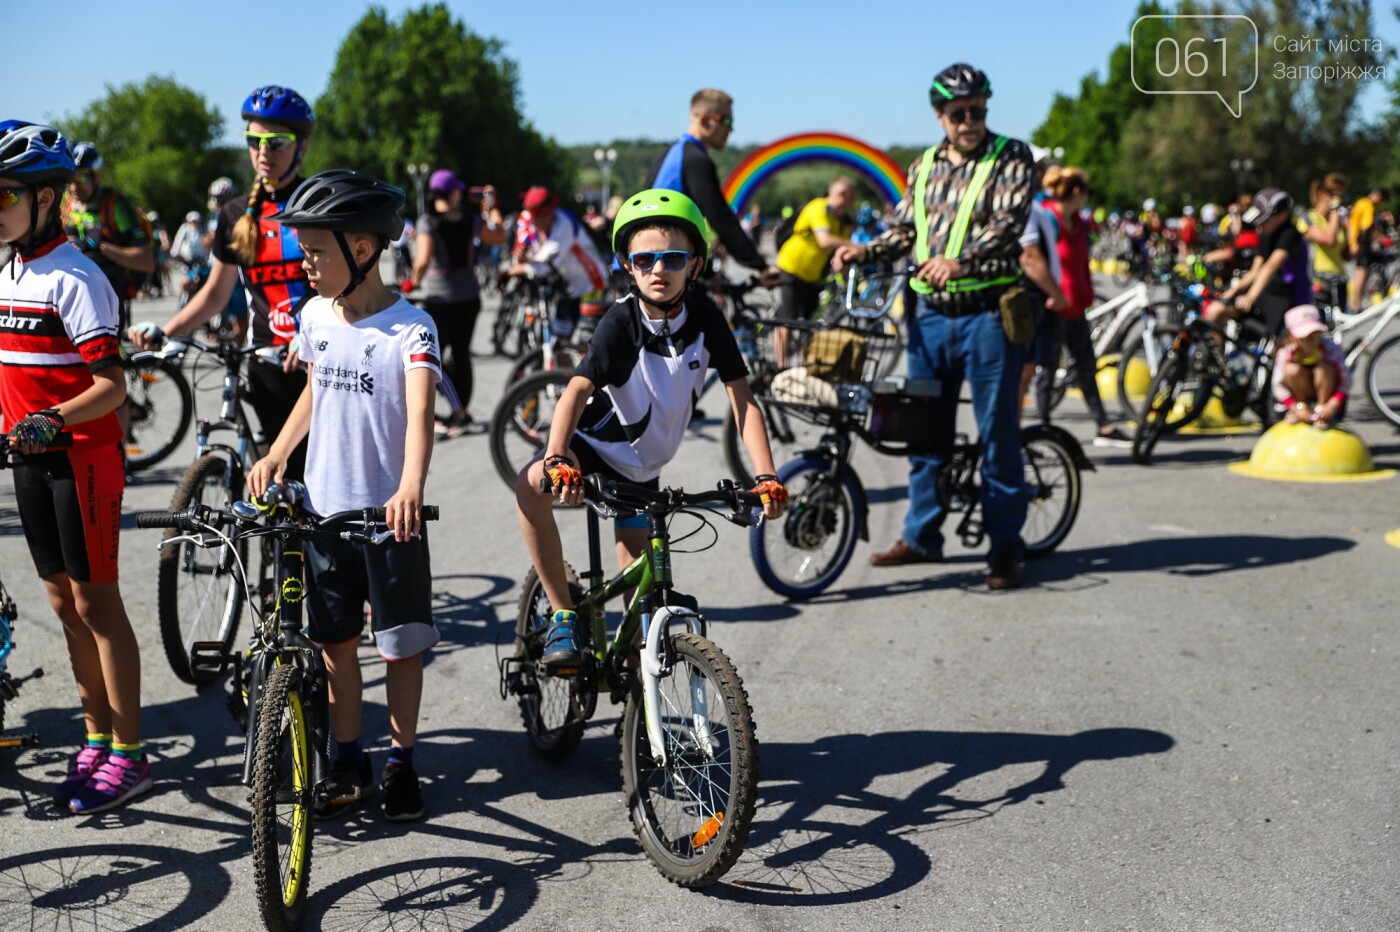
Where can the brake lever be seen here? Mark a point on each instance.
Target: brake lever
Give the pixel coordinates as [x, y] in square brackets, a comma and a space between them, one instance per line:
[372, 537]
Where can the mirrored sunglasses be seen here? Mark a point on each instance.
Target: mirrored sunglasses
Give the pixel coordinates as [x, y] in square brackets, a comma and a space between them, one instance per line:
[672, 260]
[275, 142]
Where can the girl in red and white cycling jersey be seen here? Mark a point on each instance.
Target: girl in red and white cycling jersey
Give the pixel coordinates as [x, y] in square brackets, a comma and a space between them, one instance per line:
[60, 372]
[264, 255]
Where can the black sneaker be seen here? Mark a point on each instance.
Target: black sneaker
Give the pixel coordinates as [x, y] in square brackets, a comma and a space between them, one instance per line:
[346, 788]
[403, 801]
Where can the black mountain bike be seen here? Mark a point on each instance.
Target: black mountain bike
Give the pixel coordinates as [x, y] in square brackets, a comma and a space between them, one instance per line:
[199, 596]
[1206, 360]
[279, 690]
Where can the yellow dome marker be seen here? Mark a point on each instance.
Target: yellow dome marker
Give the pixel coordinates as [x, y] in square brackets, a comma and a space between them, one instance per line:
[1302, 453]
[1393, 538]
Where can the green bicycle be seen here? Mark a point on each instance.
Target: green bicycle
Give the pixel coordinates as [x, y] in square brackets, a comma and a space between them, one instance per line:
[689, 755]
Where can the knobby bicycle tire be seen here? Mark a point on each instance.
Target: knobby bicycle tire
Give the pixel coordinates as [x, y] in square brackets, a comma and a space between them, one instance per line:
[158, 420]
[1383, 380]
[522, 419]
[282, 781]
[178, 631]
[693, 815]
[1162, 395]
[816, 535]
[1053, 487]
[565, 357]
[551, 707]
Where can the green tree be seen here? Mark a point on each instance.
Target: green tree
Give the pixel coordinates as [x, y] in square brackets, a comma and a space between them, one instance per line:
[425, 89]
[158, 141]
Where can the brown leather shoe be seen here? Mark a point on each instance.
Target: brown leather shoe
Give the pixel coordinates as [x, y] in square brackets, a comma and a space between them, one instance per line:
[901, 554]
[1005, 573]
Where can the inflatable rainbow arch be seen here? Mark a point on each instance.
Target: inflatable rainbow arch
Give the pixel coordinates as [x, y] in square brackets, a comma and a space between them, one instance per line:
[870, 163]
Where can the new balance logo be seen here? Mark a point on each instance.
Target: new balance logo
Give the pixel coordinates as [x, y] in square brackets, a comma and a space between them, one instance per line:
[321, 345]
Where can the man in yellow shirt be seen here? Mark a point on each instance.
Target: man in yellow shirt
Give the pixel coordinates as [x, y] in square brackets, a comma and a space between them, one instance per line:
[823, 224]
[1363, 218]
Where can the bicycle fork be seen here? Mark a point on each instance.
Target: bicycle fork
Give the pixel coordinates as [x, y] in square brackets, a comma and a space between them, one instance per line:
[655, 665]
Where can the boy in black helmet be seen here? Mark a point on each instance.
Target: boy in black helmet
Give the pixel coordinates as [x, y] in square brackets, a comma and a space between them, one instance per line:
[368, 411]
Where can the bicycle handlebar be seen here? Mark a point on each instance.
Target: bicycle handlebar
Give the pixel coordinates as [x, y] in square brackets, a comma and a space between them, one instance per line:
[10, 458]
[198, 516]
[625, 496]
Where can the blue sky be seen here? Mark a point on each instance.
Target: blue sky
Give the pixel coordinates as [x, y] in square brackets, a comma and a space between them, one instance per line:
[619, 69]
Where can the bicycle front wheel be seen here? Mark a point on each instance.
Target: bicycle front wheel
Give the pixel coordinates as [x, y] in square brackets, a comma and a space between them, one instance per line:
[802, 553]
[159, 405]
[550, 706]
[1172, 403]
[1053, 490]
[282, 801]
[692, 813]
[199, 592]
[1383, 380]
[520, 426]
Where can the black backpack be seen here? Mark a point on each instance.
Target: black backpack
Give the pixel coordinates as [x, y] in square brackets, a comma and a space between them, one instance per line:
[783, 231]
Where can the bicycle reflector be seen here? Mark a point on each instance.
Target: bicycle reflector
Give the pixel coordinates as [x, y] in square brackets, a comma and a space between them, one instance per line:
[707, 831]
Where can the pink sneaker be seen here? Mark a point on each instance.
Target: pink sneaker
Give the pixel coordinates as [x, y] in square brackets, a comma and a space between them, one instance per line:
[85, 762]
[118, 780]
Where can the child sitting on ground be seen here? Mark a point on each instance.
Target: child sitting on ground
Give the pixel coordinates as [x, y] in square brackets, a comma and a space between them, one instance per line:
[1310, 372]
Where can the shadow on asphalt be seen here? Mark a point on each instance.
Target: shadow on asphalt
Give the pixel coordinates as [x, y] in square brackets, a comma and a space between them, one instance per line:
[802, 859]
[1184, 556]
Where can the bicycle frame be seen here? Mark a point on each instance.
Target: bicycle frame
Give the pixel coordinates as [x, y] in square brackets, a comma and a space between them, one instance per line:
[648, 575]
[1382, 313]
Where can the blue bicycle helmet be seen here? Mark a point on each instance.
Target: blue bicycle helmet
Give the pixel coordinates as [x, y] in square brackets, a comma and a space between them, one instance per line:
[34, 154]
[85, 155]
[276, 104]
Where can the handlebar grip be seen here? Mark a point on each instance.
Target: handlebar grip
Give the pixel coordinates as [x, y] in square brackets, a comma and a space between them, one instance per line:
[428, 513]
[158, 519]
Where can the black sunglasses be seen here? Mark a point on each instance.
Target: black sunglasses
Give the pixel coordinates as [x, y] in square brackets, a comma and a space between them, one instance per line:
[966, 114]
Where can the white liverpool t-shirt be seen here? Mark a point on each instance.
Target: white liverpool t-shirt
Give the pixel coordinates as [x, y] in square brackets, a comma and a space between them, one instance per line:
[359, 412]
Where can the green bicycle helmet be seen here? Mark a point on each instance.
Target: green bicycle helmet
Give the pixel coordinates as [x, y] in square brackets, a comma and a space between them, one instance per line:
[658, 204]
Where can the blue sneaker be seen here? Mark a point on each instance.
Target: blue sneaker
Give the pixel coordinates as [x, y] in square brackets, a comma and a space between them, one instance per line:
[560, 642]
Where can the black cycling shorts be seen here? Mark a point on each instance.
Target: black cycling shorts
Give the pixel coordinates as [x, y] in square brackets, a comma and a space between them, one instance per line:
[797, 299]
[396, 579]
[70, 504]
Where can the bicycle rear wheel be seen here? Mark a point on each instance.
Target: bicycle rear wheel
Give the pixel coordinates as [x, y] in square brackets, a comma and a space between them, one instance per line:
[692, 814]
[802, 553]
[282, 801]
[788, 437]
[1383, 380]
[551, 707]
[1053, 489]
[520, 425]
[159, 405]
[199, 592]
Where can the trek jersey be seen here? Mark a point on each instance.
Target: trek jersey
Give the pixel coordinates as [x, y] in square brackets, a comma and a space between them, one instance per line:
[58, 325]
[275, 282]
[686, 167]
[647, 375]
[359, 405]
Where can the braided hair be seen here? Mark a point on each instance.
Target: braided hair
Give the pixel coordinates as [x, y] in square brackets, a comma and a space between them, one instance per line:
[245, 231]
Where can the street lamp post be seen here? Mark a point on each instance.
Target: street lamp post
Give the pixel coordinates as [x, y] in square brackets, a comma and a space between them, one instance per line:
[605, 160]
[419, 174]
[1240, 167]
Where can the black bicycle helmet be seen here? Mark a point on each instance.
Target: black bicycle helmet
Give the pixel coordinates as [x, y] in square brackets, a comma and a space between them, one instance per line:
[1269, 202]
[345, 201]
[959, 80]
[86, 156]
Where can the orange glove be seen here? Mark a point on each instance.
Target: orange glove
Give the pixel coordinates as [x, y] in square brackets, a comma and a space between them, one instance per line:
[561, 472]
[769, 489]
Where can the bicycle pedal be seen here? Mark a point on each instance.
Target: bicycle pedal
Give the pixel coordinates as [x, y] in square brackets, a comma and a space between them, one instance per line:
[209, 657]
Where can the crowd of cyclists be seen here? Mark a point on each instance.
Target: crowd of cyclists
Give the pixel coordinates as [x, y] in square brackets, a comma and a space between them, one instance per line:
[1001, 245]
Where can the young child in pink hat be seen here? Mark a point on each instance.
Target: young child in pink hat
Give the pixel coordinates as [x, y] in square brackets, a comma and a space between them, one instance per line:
[1310, 371]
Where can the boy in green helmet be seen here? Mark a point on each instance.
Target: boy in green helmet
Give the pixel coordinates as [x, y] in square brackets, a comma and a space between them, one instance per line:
[625, 411]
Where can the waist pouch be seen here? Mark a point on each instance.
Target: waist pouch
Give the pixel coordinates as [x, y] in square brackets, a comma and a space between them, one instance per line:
[1018, 315]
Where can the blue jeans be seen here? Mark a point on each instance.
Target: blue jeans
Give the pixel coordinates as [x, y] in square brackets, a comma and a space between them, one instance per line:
[975, 348]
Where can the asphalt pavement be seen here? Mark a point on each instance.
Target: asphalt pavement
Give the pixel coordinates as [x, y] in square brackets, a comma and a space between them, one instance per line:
[1187, 719]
